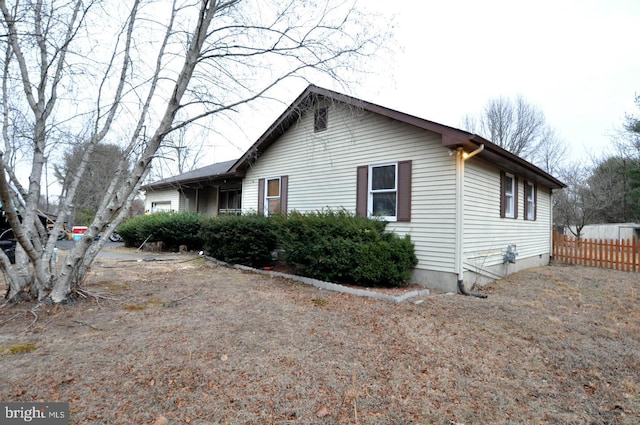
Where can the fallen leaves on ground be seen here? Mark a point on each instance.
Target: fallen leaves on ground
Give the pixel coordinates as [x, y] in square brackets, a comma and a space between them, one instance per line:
[549, 345]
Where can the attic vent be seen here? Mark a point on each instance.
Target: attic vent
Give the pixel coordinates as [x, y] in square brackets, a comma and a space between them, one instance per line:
[320, 119]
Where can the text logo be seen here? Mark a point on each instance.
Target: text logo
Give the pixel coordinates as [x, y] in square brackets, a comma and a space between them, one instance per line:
[34, 413]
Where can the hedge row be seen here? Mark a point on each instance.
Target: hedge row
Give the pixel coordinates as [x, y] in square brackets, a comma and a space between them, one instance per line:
[248, 239]
[171, 229]
[330, 245]
[339, 247]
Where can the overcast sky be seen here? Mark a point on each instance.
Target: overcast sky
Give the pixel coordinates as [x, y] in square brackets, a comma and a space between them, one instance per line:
[577, 60]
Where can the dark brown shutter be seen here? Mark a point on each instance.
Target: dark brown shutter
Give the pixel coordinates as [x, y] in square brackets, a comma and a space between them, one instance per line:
[535, 201]
[362, 190]
[284, 194]
[261, 197]
[503, 182]
[404, 191]
[525, 204]
[515, 196]
[218, 201]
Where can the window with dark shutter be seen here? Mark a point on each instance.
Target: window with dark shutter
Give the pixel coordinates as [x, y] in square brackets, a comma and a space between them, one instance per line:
[272, 195]
[384, 191]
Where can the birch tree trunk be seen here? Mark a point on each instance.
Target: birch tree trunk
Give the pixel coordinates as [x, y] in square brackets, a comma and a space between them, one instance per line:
[73, 73]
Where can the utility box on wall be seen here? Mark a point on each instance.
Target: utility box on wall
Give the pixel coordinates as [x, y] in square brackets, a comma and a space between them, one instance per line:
[511, 254]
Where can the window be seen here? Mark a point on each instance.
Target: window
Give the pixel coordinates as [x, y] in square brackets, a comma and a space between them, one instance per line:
[384, 191]
[230, 201]
[320, 119]
[509, 195]
[162, 206]
[530, 203]
[272, 199]
[272, 195]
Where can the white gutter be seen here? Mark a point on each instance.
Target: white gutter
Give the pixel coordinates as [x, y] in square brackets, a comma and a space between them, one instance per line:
[461, 157]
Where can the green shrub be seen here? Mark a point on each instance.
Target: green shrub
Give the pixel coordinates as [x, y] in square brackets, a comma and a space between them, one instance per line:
[330, 245]
[386, 262]
[247, 239]
[173, 229]
[135, 230]
[340, 247]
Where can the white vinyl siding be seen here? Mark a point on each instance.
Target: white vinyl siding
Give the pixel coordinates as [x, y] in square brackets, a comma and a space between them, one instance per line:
[486, 235]
[187, 201]
[172, 200]
[167, 200]
[322, 174]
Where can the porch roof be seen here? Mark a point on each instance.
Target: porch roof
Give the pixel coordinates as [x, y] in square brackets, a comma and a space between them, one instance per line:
[214, 173]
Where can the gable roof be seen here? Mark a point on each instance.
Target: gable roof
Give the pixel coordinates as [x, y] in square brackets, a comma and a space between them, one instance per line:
[211, 172]
[452, 138]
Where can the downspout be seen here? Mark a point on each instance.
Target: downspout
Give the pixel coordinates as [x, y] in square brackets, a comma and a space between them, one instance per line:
[551, 228]
[462, 156]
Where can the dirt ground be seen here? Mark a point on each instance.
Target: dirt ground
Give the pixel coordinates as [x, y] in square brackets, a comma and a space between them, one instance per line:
[180, 340]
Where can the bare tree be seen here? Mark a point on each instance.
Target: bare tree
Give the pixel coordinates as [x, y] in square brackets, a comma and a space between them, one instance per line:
[609, 191]
[606, 193]
[104, 72]
[573, 206]
[551, 152]
[182, 151]
[521, 128]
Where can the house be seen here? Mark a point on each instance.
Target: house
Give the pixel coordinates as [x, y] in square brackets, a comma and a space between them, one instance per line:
[208, 190]
[474, 211]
